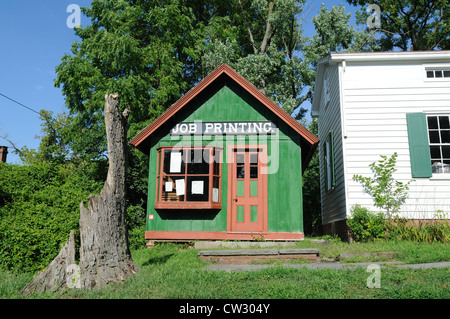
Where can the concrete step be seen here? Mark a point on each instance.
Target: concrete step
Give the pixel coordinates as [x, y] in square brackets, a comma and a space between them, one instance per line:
[246, 256]
[208, 244]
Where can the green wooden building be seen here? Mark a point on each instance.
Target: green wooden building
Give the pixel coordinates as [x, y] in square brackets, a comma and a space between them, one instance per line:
[226, 163]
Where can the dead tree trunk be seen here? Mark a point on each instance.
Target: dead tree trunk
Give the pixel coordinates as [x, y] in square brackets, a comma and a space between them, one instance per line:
[104, 252]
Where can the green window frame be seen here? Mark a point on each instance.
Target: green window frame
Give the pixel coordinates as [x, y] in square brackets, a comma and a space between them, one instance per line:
[328, 153]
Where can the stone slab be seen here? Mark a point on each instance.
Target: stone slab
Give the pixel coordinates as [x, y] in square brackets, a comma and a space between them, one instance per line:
[259, 252]
[238, 252]
[298, 251]
[241, 244]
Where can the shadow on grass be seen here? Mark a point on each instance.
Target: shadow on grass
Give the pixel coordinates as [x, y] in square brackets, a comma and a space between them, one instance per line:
[158, 260]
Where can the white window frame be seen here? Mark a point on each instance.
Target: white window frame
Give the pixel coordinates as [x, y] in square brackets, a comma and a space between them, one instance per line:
[445, 171]
[435, 68]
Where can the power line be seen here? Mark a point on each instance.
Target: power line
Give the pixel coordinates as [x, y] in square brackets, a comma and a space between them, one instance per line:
[23, 105]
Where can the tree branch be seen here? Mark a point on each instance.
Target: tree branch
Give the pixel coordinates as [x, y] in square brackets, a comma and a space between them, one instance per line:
[255, 47]
[269, 31]
[18, 151]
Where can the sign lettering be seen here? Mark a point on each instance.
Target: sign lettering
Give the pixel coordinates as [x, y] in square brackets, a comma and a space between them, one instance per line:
[224, 128]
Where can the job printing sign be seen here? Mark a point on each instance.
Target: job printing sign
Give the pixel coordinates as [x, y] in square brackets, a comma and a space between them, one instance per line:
[224, 128]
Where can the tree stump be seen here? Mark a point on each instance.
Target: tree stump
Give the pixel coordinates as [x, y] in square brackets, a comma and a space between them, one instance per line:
[104, 251]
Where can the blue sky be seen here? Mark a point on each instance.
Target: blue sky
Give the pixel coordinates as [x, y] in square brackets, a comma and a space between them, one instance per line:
[34, 37]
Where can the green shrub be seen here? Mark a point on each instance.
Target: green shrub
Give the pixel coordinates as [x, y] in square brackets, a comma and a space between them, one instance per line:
[39, 205]
[136, 227]
[365, 225]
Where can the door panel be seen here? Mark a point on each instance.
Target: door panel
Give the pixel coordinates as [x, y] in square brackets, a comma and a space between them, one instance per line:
[248, 195]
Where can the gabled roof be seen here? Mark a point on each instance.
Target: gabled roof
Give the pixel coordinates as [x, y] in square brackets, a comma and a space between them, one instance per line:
[141, 141]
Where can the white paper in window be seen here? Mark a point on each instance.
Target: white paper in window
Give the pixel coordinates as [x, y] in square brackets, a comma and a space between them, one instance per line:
[215, 195]
[169, 186]
[179, 184]
[197, 187]
[175, 162]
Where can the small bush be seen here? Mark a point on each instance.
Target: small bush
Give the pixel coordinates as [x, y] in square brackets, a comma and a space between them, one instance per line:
[365, 225]
[423, 231]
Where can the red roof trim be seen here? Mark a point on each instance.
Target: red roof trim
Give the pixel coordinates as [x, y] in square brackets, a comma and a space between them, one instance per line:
[224, 68]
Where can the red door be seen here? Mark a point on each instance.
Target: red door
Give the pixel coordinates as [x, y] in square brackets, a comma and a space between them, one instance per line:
[248, 191]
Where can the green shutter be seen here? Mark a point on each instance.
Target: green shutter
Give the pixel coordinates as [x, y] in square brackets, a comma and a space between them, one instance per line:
[419, 149]
[329, 140]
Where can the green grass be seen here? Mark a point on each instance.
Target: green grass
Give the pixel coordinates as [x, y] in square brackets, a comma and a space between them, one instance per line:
[175, 272]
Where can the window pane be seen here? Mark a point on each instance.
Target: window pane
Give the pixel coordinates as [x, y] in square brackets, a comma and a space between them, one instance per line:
[443, 122]
[446, 74]
[430, 74]
[446, 167]
[240, 172]
[435, 152]
[170, 191]
[445, 136]
[197, 189]
[438, 74]
[174, 162]
[217, 160]
[446, 152]
[240, 158]
[254, 158]
[432, 122]
[198, 162]
[216, 168]
[215, 193]
[436, 167]
[254, 172]
[434, 137]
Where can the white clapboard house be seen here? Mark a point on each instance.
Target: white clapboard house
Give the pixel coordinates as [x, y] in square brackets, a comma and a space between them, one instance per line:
[372, 104]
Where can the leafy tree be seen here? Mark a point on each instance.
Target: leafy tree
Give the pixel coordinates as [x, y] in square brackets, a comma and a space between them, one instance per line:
[312, 214]
[411, 24]
[273, 31]
[335, 34]
[387, 193]
[141, 50]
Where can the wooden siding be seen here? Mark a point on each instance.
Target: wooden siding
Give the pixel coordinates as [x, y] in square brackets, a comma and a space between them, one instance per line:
[377, 98]
[333, 202]
[230, 102]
